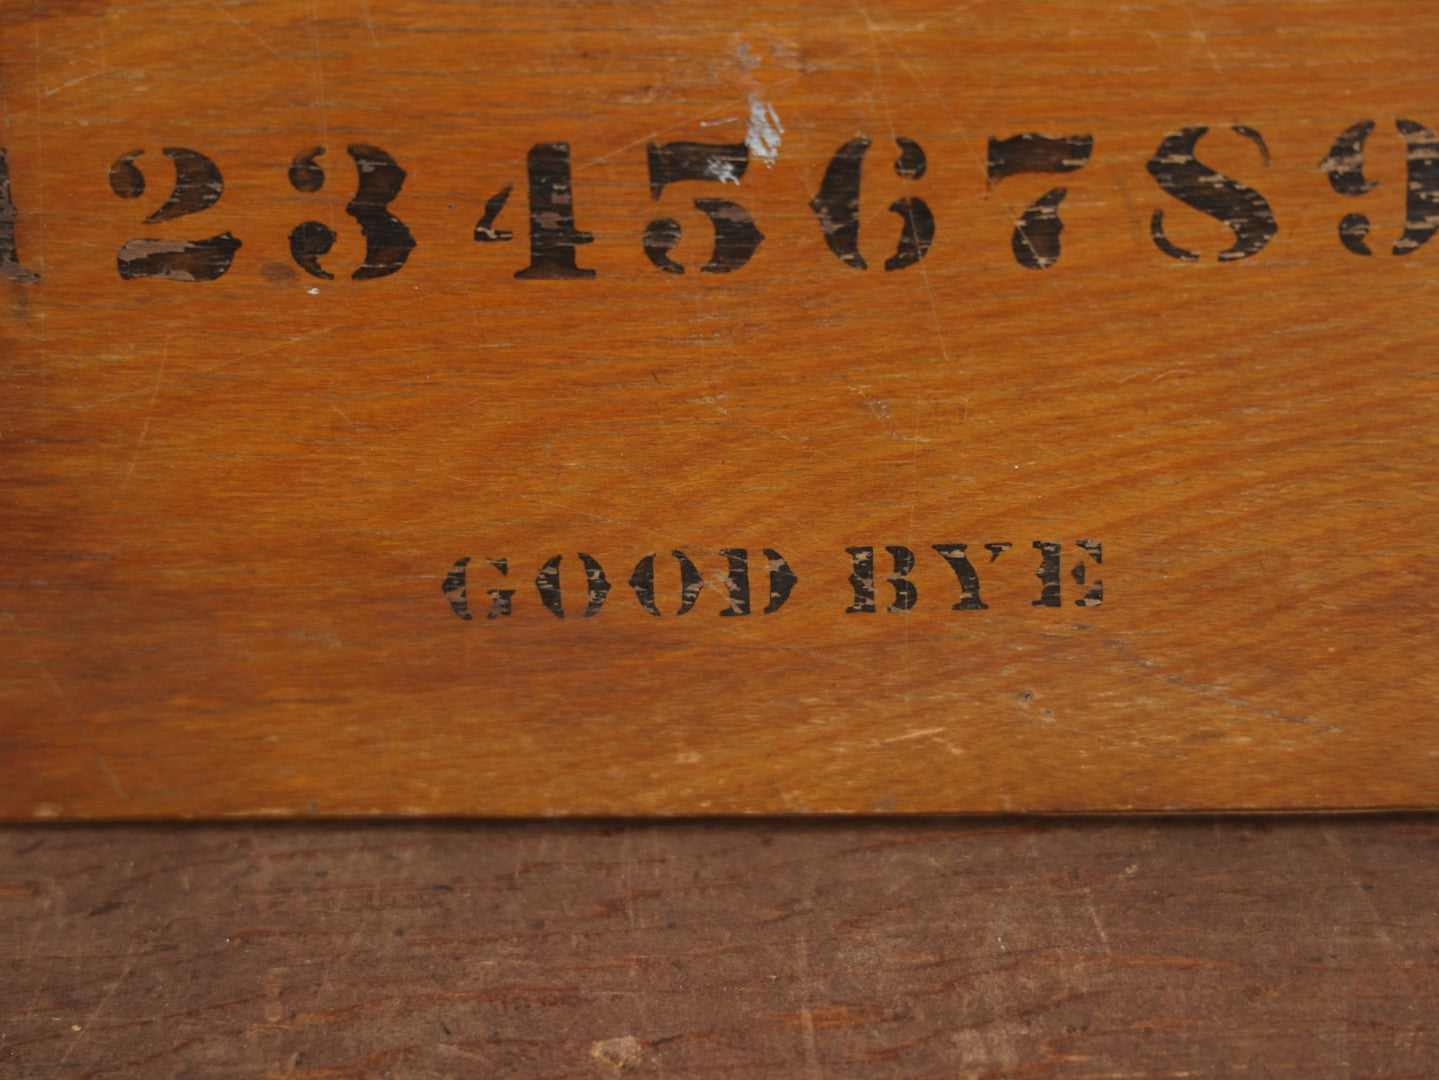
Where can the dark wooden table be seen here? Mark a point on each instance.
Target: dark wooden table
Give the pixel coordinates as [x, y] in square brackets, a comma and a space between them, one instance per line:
[1045, 948]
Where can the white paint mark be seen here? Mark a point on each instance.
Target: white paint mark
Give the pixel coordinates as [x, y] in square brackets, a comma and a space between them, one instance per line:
[315, 291]
[1099, 926]
[765, 131]
[912, 735]
[617, 1054]
[721, 169]
[51, 91]
[811, 1046]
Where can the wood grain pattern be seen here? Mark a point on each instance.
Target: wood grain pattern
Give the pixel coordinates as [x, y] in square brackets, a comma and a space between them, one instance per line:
[769, 949]
[229, 506]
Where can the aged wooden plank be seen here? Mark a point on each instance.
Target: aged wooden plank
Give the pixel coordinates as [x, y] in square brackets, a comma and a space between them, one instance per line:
[1045, 949]
[285, 416]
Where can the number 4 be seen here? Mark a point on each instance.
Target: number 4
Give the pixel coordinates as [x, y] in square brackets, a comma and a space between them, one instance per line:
[10, 266]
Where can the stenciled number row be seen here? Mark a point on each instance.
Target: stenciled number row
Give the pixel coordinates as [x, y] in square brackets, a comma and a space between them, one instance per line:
[554, 236]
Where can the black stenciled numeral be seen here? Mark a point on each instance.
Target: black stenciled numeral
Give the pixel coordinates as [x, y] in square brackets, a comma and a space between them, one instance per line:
[388, 241]
[198, 186]
[553, 235]
[10, 266]
[1035, 240]
[1345, 168]
[1238, 206]
[485, 231]
[837, 205]
[736, 237]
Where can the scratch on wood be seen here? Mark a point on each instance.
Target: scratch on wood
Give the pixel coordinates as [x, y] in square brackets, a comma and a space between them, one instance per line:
[74, 716]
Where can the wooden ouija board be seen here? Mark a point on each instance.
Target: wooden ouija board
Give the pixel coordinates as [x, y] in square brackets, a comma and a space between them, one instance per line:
[432, 408]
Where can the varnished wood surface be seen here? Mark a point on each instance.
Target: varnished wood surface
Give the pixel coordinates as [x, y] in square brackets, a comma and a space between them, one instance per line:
[869, 950]
[228, 507]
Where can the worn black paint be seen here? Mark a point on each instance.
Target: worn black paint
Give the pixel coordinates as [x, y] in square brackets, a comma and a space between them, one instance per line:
[126, 179]
[736, 237]
[862, 579]
[912, 162]
[1344, 166]
[1032, 152]
[677, 161]
[660, 237]
[597, 586]
[1035, 240]
[485, 230]
[1354, 233]
[388, 242]
[1094, 595]
[905, 594]
[553, 235]
[969, 599]
[1253, 135]
[500, 599]
[1238, 206]
[1048, 573]
[737, 581]
[1422, 205]
[836, 205]
[456, 589]
[198, 185]
[547, 581]
[177, 260]
[10, 266]
[916, 234]
[782, 581]
[642, 581]
[306, 175]
[310, 241]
